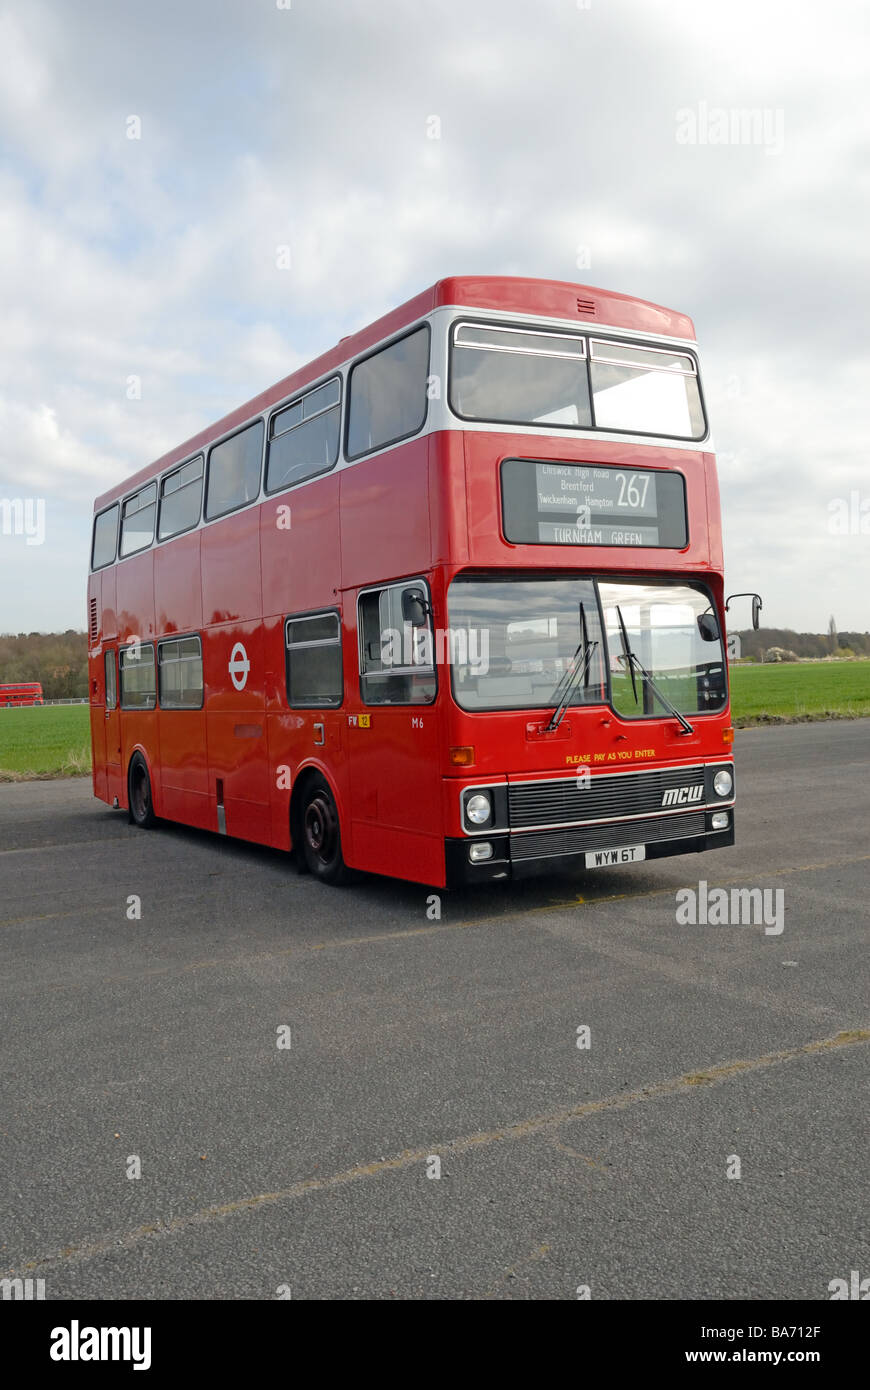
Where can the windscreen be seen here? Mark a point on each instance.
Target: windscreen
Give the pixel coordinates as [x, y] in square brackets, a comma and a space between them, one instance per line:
[531, 630]
[672, 632]
[536, 632]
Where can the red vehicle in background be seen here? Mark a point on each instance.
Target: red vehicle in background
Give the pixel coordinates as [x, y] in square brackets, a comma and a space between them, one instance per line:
[21, 693]
[446, 604]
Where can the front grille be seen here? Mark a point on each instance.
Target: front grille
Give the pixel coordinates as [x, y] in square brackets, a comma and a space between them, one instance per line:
[577, 839]
[604, 797]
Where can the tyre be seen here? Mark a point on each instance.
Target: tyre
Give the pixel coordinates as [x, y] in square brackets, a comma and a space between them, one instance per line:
[139, 794]
[321, 834]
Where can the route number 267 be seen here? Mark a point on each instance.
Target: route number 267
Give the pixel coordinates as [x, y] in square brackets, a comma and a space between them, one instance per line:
[632, 489]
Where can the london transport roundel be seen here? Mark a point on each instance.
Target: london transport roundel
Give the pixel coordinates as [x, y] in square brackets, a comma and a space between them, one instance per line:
[239, 666]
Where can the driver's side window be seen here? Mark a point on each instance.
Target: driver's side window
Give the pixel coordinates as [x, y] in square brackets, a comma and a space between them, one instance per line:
[396, 645]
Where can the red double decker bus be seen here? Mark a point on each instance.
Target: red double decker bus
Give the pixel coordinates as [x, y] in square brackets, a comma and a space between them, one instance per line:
[21, 693]
[446, 604]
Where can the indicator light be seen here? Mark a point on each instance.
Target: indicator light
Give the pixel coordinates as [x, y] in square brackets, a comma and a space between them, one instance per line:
[462, 757]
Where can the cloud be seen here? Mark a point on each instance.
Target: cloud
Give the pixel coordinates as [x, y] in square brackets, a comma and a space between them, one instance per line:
[311, 127]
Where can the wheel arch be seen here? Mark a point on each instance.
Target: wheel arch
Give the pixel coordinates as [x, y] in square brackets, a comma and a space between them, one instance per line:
[302, 779]
[142, 751]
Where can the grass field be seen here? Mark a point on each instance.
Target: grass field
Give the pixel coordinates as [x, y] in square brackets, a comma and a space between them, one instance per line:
[794, 691]
[54, 740]
[45, 741]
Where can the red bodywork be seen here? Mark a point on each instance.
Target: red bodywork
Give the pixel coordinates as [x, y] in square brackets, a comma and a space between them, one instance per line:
[429, 507]
[21, 693]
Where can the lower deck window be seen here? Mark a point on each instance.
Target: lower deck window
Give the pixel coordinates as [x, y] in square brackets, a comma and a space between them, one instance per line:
[111, 680]
[180, 665]
[314, 671]
[138, 683]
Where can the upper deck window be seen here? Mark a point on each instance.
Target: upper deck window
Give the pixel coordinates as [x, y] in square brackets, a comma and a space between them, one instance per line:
[180, 499]
[646, 390]
[304, 437]
[387, 394]
[528, 377]
[137, 520]
[234, 471]
[514, 376]
[105, 538]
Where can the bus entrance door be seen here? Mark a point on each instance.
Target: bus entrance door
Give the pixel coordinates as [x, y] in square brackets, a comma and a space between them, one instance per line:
[114, 780]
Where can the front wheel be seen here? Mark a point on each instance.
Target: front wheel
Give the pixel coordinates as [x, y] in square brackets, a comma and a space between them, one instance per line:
[139, 794]
[321, 835]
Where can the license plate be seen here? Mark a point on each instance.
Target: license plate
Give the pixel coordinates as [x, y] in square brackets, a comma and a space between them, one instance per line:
[627, 854]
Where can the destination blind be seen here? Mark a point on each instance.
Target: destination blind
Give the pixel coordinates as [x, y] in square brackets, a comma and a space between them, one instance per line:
[592, 504]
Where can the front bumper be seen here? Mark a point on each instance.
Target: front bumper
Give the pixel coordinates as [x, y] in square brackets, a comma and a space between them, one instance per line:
[539, 852]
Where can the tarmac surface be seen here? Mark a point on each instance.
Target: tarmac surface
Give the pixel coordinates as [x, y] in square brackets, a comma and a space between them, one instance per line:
[308, 1169]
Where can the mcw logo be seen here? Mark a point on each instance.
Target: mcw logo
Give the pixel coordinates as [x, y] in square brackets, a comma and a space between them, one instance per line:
[682, 796]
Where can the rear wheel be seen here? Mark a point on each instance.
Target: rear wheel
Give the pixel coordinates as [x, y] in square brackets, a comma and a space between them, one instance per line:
[321, 834]
[139, 794]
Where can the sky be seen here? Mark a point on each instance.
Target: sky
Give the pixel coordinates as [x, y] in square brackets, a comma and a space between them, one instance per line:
[713, 159]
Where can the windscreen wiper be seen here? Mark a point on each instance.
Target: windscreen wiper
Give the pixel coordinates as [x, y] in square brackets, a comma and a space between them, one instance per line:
[577, 668]
[633, 663]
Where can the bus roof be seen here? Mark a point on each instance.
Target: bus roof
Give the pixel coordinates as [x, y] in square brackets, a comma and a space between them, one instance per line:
[577, 304]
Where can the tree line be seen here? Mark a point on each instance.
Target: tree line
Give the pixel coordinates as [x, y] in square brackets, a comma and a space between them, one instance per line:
[59, 660]
[803, 644]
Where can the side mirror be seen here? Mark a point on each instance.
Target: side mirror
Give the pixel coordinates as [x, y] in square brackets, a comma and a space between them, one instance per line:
[756, 606]
[415, 606]
[708, 626]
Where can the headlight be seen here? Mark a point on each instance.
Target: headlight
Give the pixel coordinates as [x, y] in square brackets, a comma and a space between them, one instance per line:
[478, 809]
[722, 783]
[479, 850]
